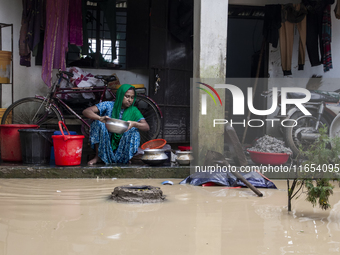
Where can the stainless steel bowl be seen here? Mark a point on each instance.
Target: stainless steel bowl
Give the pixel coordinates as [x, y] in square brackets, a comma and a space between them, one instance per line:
[184, 157]
[154, 157]
[116, 126]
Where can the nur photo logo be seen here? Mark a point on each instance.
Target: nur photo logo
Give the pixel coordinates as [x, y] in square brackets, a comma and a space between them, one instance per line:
[204, 97]
[239, 102]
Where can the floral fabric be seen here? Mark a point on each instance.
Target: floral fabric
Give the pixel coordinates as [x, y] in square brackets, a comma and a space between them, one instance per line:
[326, 39]
[128, 145]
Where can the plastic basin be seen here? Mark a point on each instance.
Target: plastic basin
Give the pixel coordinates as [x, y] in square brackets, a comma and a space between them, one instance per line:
[268, 158]
[154, 144]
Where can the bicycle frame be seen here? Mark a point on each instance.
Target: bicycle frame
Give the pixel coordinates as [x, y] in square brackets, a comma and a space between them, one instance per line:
[102, 89]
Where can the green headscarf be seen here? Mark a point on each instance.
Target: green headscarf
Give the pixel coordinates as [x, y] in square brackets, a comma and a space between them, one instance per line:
[131, 113]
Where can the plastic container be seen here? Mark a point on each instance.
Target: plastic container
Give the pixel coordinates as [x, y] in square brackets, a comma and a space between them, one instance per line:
[52, 158]
[36, 145]
[59, 133]
[5, 63]
[67, 148]
[268, 158]
[154, 144]
[184, 148]
[167, 183]
[10, 141]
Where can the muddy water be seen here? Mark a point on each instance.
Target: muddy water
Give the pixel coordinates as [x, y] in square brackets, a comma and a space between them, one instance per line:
[75, 217]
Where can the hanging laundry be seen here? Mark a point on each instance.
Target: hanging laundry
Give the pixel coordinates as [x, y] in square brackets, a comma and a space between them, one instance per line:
[75, 23]
[314, 43]
[272, 23]
[56, 38]
[326, 39]
[31, 21]
[292, 14]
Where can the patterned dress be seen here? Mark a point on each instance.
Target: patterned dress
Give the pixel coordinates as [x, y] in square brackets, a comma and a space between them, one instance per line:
[128, 145]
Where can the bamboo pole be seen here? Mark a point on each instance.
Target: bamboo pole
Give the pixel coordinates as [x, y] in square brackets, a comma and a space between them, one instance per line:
[255, 85]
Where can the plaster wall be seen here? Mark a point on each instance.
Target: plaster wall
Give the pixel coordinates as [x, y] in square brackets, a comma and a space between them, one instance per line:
[27, 80]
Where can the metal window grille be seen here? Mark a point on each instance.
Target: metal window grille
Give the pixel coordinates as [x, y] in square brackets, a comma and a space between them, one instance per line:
[99, 38]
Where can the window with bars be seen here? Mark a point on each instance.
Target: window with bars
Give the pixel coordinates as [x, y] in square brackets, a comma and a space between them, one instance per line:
[99, 53]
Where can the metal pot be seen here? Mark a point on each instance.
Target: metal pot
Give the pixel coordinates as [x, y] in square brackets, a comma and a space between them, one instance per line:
[116, 126]
[184, 157]
[154, 157]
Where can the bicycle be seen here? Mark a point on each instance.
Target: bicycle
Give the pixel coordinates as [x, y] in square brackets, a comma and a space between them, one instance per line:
[47, 111]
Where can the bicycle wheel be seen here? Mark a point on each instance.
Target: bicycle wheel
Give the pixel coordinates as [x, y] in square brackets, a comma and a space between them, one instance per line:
[152, 117]
[32, 110]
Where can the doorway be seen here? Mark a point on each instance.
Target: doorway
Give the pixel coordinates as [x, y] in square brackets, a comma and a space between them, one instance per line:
[244, 45]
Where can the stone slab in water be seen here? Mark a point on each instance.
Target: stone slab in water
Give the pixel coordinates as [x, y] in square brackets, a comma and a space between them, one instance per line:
[137, 194]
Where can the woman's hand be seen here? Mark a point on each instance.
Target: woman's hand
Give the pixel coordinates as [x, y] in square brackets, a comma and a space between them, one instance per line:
[131, 125]
[142, 125]
[103, 118]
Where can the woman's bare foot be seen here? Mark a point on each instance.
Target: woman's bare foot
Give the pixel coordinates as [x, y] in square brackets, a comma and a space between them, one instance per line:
[93, 161]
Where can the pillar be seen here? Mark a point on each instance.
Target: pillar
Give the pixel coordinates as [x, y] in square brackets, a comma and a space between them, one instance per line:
[210, 49]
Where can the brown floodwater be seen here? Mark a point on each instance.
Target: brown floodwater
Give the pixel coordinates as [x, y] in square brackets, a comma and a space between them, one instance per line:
[75, 216]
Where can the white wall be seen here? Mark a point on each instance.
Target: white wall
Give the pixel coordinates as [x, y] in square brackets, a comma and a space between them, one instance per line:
[27, 80]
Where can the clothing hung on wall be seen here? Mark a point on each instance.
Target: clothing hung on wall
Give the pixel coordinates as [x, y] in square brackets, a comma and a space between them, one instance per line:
[292, 14]
[31, 23]
[75, 23]
[56, 38]
[326, 39]
[315, 20]
[272, 23]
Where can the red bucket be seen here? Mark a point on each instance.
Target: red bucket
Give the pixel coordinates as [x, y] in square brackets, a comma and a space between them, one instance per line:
[67, 148]
[10, 141]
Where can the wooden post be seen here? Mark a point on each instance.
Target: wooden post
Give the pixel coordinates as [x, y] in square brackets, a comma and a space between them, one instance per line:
[241, 178]
[248, 184]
